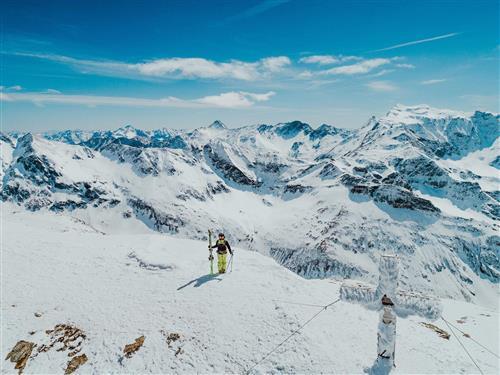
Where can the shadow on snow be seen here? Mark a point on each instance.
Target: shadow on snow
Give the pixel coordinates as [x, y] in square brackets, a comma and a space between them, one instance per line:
[200, 281]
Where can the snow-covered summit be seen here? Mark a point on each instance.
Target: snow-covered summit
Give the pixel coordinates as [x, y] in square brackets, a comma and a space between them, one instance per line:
[130, 132]
[217, 125]
[403, 114]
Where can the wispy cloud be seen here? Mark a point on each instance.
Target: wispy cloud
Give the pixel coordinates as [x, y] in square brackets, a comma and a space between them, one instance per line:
[266, 72]
[445, 36]
[257, 9]
[233, 99]
[11, 88]
[381, 73]
[405, 66]
[327, 59]
[432, 81]
[362, 67]
[174, 68]
[383, 86]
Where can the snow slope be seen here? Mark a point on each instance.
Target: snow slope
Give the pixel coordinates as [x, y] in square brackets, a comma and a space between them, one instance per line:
[118, 286]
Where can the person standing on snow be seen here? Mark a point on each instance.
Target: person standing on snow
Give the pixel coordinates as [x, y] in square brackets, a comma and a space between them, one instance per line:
[222, 247]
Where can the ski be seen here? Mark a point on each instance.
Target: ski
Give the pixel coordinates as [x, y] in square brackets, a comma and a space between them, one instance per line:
[211, 256]
[230, 263]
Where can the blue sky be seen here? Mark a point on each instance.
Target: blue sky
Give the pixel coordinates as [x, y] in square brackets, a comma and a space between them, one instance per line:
[182, 64]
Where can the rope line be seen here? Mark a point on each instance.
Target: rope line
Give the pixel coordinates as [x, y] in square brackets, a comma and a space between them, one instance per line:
[298, 303]
[291, 335]
[464, 348]
[470, 337]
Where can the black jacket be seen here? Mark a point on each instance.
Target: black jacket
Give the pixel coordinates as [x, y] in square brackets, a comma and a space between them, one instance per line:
[222, 247]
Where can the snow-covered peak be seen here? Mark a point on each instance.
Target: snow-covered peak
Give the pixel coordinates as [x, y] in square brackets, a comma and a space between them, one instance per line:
[217, 125]
[292, 129]
[325, 130]
[24, 145]
[402, 114]
[72, 137]
[411, 130]
[129, 131]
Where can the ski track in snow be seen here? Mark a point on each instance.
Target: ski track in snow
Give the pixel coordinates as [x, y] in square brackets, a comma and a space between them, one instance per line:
[68, 272]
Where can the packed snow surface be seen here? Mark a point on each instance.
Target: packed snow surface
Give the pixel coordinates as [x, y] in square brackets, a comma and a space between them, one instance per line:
[119, 285]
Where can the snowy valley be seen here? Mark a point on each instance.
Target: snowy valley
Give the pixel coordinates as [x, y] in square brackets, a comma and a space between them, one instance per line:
[107, 231]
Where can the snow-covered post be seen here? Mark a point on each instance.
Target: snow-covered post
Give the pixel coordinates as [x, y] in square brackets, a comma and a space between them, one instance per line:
[387, 285]
[386, 335]
[390, 302]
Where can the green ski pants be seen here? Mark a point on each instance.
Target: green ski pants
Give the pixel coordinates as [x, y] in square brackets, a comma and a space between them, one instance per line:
[221, 262]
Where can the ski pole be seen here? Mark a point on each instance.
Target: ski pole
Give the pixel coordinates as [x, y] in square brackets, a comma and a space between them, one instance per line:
[231, 262]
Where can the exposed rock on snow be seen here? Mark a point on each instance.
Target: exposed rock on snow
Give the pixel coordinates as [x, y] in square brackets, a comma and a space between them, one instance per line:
[441, 332]
[64, 337]
[20, 354]
[401, 198]
[154, 218]
[130, 349]
[75, 362]
[227, 168]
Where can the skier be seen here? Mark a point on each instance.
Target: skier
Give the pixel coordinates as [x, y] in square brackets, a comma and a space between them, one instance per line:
[222, 247]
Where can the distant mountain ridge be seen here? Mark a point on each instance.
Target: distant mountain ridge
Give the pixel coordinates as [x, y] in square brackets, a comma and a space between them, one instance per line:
[419, 181]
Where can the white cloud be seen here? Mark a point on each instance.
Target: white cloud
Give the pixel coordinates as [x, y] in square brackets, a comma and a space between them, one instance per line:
[432, 81]
[228, 100]
[224, 100]
[359, 68]
[52, 91]
[327, 59]
[175, 67]
[417, 42]
[275, 64]
[319, 59]
[405, 66]
[197, 68]
[383, 86]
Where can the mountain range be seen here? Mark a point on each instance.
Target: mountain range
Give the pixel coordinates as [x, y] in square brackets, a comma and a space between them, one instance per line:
[324, 202]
